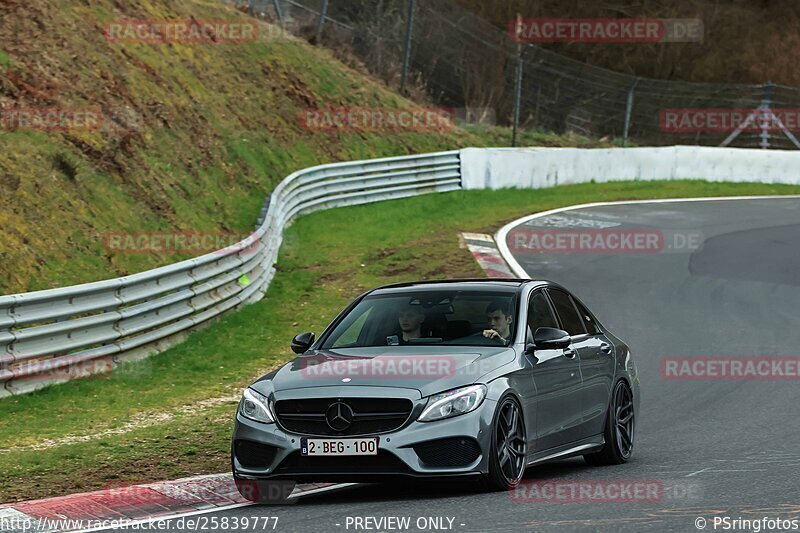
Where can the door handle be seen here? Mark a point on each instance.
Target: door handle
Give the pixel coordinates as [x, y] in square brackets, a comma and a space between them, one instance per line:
[605, 348]
[570, 353]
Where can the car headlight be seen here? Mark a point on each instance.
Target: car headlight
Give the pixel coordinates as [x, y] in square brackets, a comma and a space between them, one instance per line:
[255, 407]
[453, 403]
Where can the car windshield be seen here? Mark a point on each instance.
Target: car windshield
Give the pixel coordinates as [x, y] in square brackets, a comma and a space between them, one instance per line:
[457, 317]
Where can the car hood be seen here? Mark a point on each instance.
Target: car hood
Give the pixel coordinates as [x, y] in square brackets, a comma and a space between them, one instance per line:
[424, 368]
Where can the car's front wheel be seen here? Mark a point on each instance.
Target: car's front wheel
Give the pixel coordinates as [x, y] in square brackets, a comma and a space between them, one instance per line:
[619, 429]
[508, 447]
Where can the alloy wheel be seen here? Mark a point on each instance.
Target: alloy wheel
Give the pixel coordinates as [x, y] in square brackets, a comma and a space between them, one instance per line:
[510, 441]
[624, 420]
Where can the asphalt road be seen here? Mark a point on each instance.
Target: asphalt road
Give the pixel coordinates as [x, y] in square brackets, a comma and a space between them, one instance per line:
[714, 447]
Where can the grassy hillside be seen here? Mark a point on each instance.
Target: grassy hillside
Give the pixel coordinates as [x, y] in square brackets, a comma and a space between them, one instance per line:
[193, 135]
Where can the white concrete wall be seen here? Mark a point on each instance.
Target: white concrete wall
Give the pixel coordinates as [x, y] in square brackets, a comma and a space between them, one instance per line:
[494, 168]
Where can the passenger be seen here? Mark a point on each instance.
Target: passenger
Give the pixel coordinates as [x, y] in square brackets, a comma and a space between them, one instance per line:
[500, 319]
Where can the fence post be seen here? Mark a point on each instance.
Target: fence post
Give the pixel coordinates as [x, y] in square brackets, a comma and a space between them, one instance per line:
[407, 53]
[276, 4]
[518, 93]
[322, 13]
[766, 102]
[628, 110]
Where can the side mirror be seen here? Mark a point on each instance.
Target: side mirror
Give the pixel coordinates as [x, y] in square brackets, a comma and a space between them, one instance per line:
[550, 338]
[302, 342]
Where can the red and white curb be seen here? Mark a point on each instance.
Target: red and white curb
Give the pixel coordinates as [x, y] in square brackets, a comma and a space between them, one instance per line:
[487, 254]
[135, 504]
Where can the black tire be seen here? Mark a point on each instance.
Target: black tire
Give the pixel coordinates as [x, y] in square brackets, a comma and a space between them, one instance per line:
[619, 432]
[507, 455]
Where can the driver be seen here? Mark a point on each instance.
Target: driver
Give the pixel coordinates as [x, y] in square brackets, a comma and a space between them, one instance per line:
[410, 318]
[500, 319]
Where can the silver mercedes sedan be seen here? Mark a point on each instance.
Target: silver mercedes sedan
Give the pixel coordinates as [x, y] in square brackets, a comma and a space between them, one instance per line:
[472, 378]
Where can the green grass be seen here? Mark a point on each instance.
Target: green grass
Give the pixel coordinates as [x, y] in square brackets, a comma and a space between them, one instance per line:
[326, 259]
[5, 61]
[184, 446]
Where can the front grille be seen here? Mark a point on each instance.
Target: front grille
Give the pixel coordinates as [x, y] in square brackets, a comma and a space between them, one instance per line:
[254, 454]
[383, 463]
[370, 415]
[457, 451]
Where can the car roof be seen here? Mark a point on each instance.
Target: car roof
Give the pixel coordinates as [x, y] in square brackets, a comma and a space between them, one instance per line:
[478, 284]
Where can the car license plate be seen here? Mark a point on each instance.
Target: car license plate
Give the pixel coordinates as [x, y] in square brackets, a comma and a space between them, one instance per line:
[336, 447]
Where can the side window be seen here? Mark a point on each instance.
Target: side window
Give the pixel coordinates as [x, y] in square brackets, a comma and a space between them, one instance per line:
[351, 334]
[587, 318]
[540, 314]
[569, 316]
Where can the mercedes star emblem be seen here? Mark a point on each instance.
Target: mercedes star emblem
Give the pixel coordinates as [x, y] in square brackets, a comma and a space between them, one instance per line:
[339, 416]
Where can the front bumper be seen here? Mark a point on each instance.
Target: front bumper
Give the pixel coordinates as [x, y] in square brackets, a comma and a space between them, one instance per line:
[451, 447]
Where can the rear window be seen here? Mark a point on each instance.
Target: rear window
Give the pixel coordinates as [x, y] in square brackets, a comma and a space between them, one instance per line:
[570, 319]
[588, 320]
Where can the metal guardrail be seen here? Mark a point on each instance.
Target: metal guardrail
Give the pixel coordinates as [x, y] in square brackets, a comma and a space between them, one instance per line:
[46, 334]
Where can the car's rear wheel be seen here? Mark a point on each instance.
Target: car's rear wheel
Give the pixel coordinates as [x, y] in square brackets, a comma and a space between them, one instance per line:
[619, 429]
[508, 448]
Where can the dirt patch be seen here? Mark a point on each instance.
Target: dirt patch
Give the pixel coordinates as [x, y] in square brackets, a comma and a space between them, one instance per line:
[334, 278]
[293, 87]
[423, 259]
[393, 270]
